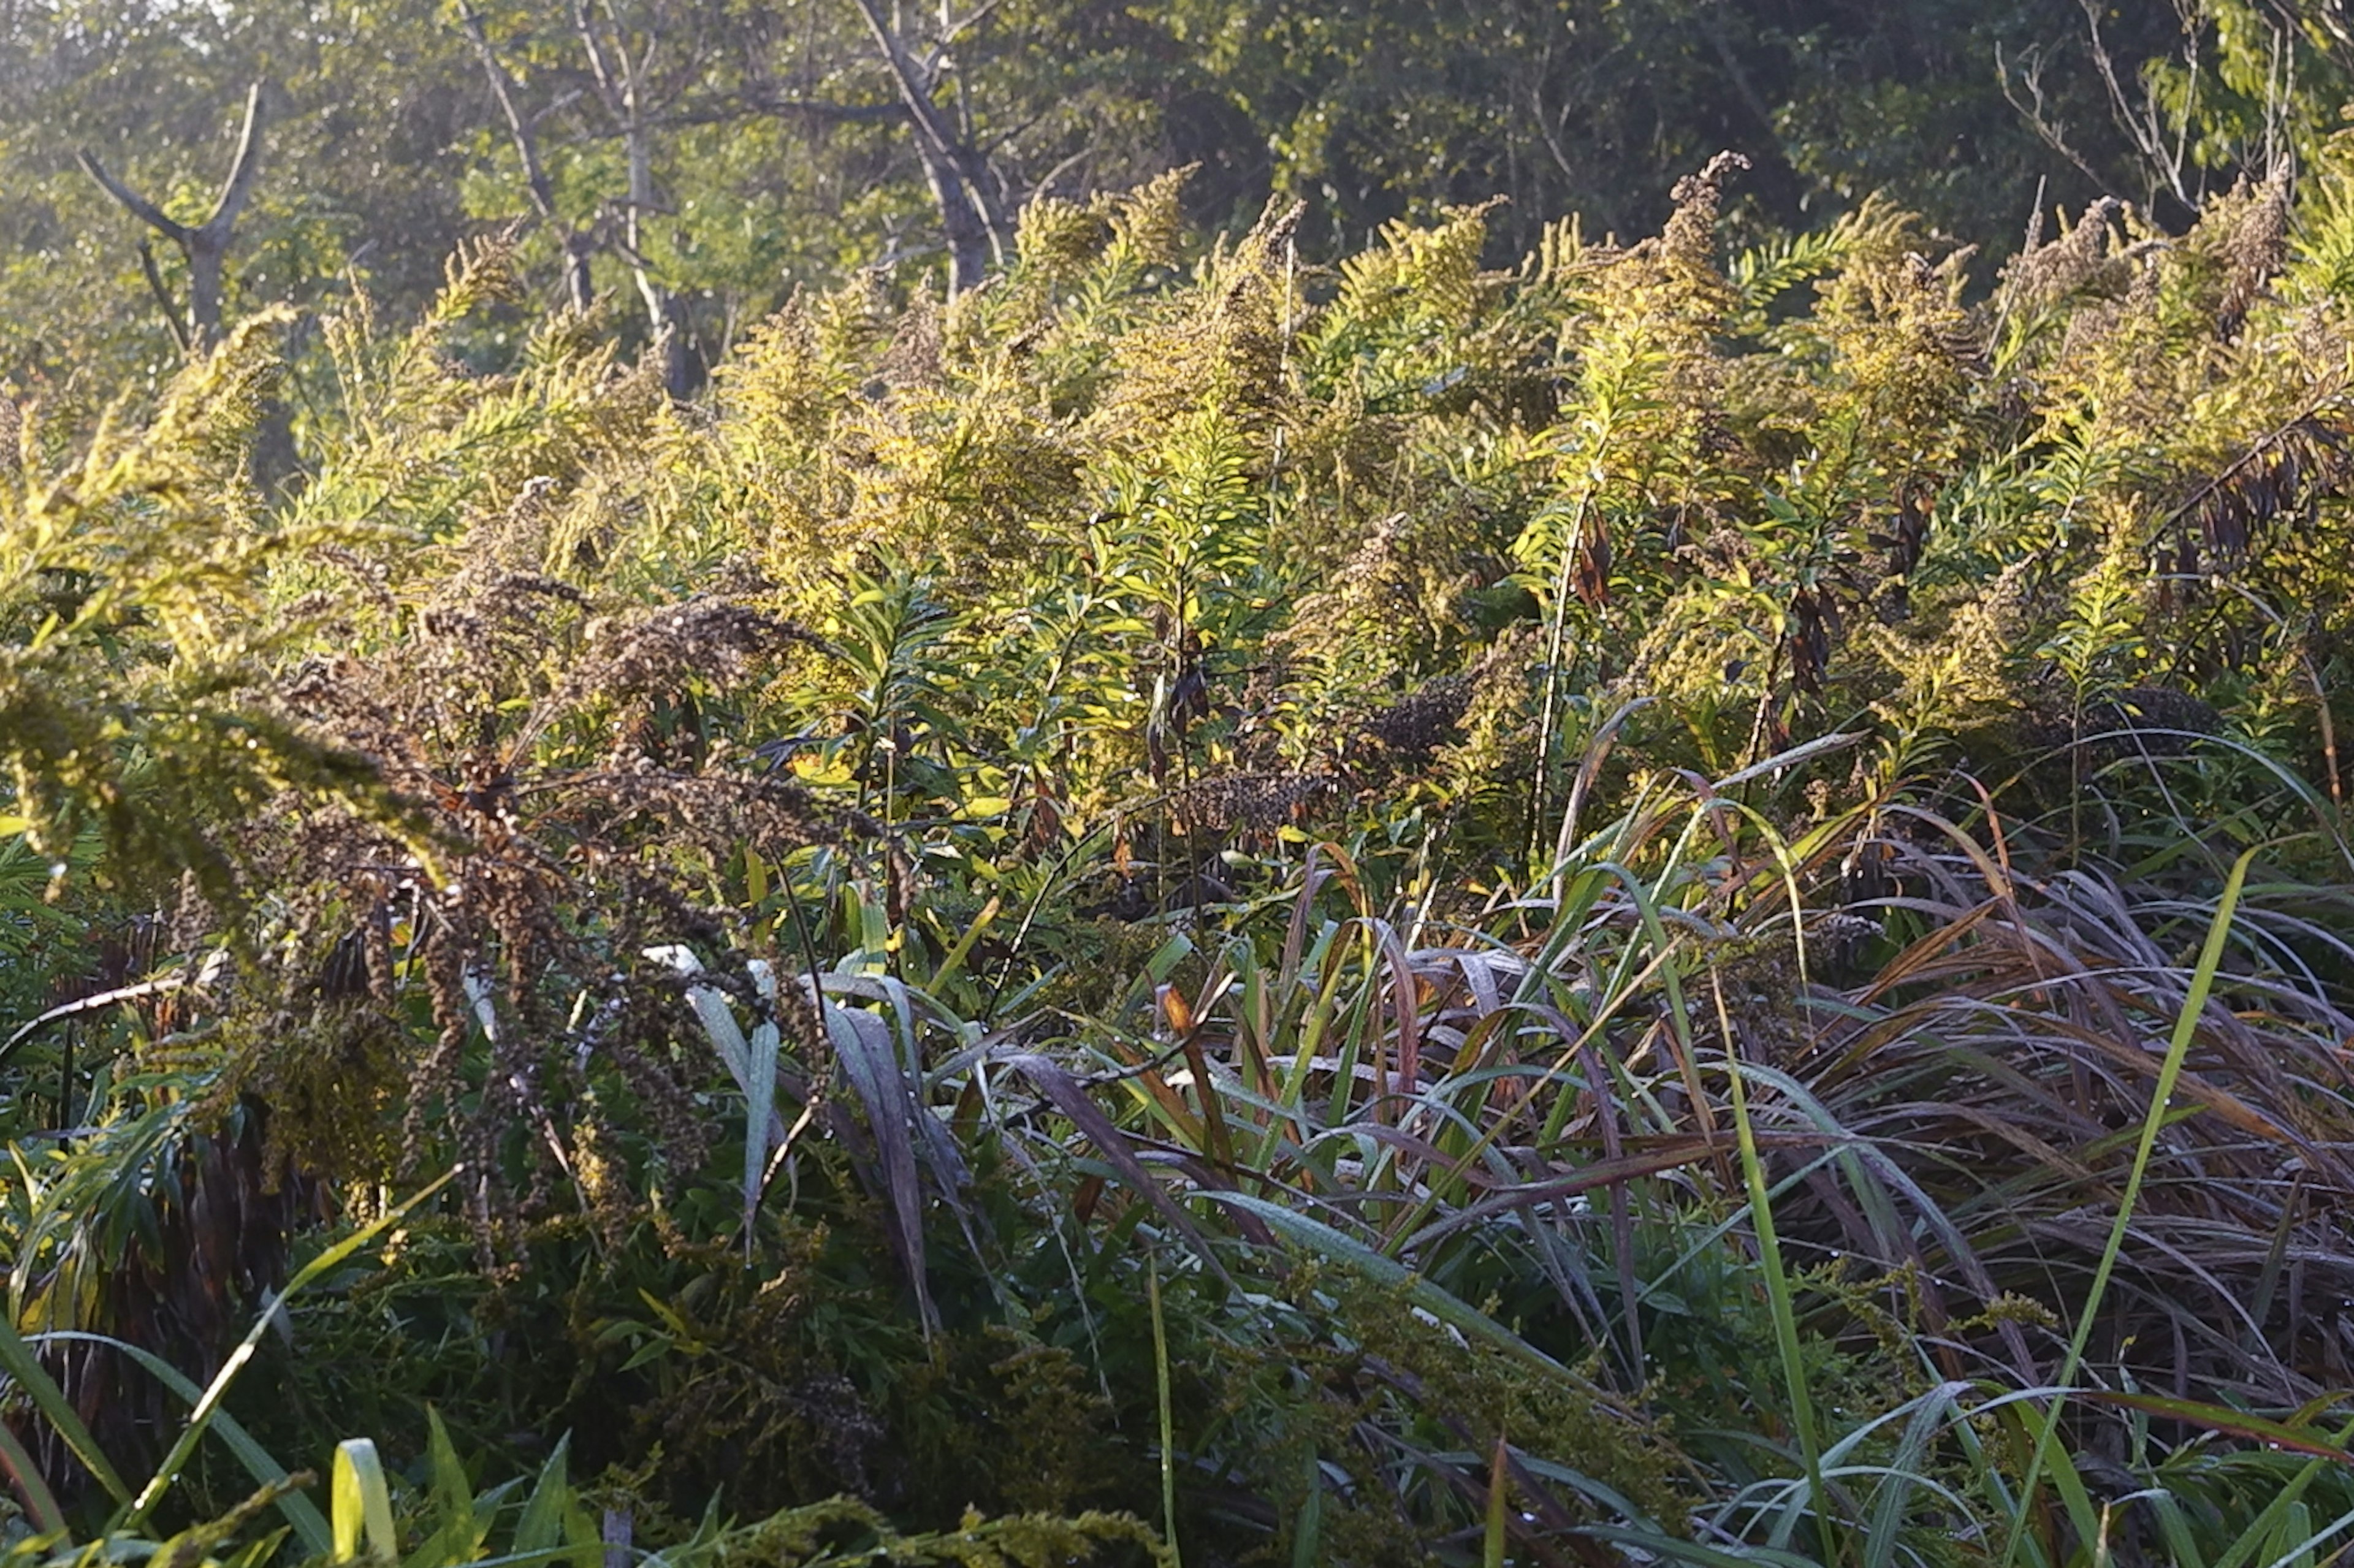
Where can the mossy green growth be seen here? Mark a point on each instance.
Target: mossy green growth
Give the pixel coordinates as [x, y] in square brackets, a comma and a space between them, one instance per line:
[847, 1532]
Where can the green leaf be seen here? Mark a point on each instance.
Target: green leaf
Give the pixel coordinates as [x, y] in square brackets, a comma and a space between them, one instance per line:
[135, 1512]
[451, 1496]
[301, 1512]
[541, 1524]
[2223, 1418]
[2186, 1027]
[362, 1501]
[1500, 1493]
[39, 1502]
[1447, 1308]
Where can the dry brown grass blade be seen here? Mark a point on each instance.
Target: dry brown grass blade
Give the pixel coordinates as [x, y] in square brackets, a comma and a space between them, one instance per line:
[1068, 1097]
[2004, 1061]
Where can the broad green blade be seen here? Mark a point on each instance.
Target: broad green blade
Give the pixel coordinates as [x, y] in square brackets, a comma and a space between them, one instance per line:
[362, 1504]
[541, 1524]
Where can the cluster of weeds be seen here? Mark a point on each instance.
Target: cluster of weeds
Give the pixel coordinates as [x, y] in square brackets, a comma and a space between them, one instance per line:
[1403, 914]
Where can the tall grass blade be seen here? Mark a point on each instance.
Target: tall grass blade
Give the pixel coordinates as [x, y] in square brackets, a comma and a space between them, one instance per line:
[310, 1524]
[2235, 1423]
[1066, 1095]
[1449, 1310]
[759, 1101]
[863, 1045]
[1167, 1410]
[1499, 1494]
[1308, 1529]
[2245, 1548]
[751, 1061]
[17, 1360]
[2186, 1027]
[552, 1499]
[362, 1501]
[1883, 1535]
[41, 1503]
[1778, 1294]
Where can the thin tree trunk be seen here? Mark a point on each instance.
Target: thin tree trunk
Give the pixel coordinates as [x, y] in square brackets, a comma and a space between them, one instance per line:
[967, 235]
[579, 289]
[955, 171]
[620, 81]
[206, 245]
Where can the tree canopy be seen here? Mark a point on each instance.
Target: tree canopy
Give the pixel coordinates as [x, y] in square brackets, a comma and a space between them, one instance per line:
[705, 159]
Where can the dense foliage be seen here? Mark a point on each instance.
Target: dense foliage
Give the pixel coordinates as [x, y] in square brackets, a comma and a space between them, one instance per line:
[702, 160]
[1236, 898]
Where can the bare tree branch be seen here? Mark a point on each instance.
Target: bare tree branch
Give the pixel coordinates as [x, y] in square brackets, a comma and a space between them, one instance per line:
[242, 170]
[1045, 186]
[162, 296]
[621, 75]
[2145, 127]
[598, 66]
[139, 207]
[971, 210]
[579, 289]
[758, 101]
[207, 245]
[955, 31]
[503, 89]
[2053, 134]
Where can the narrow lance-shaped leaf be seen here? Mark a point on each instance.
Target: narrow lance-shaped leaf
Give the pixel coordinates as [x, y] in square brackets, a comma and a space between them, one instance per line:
[862, 1044]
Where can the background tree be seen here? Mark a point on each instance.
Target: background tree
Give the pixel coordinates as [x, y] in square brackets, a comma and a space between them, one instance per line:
[706, 160]
[577, 240]
[964, 187]
[203, 246]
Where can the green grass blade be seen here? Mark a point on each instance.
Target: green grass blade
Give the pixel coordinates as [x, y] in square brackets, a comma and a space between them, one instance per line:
[1934, 1412]
[1661, 1547]
[541, 1524]
[1167, 1418]
[1777, 1283]
[2245, 1548]
[461, 1530]
[310, 1524]
[17, 1359]
[39, 1502]
[1307, 1530]
[1447, 1308]
[1499, 1494]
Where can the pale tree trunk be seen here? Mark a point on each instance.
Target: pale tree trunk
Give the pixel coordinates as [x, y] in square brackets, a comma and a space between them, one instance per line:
[196, 327]
[205, 245]
[621, 77]
[665, 311]
[972, 218]
[578, 244]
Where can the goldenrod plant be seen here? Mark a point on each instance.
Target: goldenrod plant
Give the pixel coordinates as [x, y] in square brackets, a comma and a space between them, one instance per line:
[1671, 904]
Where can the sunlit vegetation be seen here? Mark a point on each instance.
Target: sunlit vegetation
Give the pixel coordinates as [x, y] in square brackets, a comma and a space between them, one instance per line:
[1682, 902]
